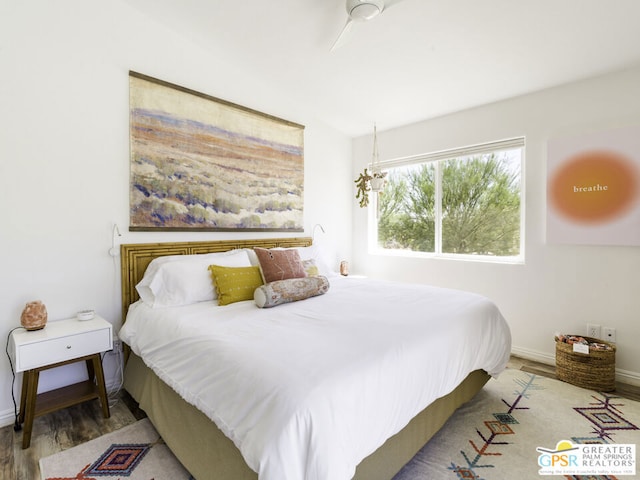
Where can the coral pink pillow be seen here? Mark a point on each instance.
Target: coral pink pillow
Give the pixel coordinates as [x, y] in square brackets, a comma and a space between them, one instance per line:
[279, 264]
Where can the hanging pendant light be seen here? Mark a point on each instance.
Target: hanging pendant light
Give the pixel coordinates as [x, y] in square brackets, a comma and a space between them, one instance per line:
[371, 182]
[377, 177]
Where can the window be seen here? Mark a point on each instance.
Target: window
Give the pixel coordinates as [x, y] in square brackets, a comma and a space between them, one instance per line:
[463, 202]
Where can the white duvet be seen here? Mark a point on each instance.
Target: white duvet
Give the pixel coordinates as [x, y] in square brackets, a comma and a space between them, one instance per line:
[307, 390]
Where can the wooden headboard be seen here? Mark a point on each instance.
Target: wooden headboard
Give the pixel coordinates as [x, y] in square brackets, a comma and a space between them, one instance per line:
[136, 257]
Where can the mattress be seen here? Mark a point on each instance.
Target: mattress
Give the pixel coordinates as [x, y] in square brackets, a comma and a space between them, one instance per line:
[208, 454]
[296, 388]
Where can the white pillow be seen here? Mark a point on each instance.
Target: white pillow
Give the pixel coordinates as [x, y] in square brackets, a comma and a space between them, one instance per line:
[176, 280]
[315, 253]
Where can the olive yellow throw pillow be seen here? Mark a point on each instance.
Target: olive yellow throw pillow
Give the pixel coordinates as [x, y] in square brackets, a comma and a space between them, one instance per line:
[235, 284]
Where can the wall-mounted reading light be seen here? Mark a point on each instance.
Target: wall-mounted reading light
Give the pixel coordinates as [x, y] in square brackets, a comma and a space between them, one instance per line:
[113, 251]
[313, 232]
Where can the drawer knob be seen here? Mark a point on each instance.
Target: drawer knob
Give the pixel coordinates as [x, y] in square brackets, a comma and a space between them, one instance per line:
[68, 347]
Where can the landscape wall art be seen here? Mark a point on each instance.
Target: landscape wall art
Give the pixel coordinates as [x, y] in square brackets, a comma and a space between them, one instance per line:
[201, 163]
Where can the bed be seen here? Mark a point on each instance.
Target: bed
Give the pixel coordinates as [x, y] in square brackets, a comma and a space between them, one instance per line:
[313, 436]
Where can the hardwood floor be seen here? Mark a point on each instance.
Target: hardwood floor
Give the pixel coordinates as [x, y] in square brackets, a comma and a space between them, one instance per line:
[59, 431]
[78, 424]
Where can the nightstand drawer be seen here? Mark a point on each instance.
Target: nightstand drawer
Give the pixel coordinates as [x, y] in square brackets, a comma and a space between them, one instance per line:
[61, 349]
[59, 341]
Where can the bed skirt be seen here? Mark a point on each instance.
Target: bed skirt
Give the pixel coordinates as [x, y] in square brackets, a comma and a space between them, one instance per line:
[208, 454]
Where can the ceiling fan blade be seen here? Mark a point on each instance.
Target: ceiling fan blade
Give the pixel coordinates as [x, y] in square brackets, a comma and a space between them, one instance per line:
[343, 35]
[391, 3]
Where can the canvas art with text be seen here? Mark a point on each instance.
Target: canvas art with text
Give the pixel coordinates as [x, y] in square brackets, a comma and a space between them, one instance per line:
[593, 188]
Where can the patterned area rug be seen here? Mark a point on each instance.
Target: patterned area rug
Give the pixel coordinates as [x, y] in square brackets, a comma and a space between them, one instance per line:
[498, 435]
[134, 452]
[515, 425]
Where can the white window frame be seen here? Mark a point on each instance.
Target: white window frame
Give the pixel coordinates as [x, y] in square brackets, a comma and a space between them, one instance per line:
[480, 149]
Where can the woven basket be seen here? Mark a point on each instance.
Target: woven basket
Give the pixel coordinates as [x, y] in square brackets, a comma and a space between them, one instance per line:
[596, 371]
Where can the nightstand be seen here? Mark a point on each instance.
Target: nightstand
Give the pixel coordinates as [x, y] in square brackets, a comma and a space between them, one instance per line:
[60, 343]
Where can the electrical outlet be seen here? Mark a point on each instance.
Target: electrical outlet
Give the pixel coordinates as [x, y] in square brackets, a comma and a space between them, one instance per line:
[117, 345]
[609, 334]
[593, 331]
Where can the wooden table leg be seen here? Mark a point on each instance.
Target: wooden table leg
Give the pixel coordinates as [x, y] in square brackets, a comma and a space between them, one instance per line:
[23, 397]
[102, 390]
[32, 377]
[90, 369]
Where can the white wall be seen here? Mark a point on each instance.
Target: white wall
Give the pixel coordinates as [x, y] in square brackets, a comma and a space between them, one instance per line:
[559, 288]
[64, 155]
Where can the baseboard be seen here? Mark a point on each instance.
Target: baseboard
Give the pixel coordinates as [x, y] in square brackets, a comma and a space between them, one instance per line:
[7, 417]
[628, 377]
[622, 376]
[534, 355]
